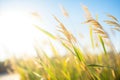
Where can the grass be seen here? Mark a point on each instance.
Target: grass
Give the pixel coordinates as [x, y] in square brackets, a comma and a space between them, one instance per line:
[76, 64]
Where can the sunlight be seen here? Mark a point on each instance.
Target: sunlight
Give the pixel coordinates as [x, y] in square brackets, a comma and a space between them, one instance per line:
[59, 40]
[16, 32]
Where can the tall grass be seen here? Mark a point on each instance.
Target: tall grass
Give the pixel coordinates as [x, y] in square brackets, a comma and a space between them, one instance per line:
[76, 64]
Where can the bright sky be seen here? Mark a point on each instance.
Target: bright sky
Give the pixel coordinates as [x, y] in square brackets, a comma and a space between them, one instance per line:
[17, 33]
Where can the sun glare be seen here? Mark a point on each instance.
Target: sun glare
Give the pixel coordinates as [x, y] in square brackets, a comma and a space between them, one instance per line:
[16, 32]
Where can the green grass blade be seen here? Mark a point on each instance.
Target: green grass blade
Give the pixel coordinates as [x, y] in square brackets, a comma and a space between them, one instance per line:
[67, 47]
[97, 65]
[55, 52]
[91, 36]
[46, 32]
[36, 74]
[78, 53]
[103, 45]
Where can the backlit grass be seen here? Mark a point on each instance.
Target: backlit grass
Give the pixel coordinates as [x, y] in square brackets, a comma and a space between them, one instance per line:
[78, 63]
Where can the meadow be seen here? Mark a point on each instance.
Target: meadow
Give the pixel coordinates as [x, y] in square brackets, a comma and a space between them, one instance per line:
[78, 63]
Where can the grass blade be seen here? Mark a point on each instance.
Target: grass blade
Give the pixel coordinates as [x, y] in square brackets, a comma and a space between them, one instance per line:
[78, 53]
[103, 45]
[97, 65]
[46, 32]
[91, 36]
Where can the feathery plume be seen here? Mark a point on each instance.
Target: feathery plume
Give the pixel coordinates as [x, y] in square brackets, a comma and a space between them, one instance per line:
[87, 12]
[96, 25]
[64, 11]
[112, 23]
[63, 30]
[112, 17]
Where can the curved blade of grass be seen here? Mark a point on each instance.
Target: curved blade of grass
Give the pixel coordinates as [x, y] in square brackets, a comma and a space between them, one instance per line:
[49, 69]
[36, 74]
[66, 74]
[54, 49]
[97, 65]
[91, 36]
[46, 32]
[103, 45]
[68, 48]
[78, 53]
[112, 17]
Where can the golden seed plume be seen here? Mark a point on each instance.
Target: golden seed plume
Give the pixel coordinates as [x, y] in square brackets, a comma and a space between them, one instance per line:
[112, 17]
[116, 28]
[87, 12]
[112, 23]
[63, 30]
[64, 11]
[96, 25]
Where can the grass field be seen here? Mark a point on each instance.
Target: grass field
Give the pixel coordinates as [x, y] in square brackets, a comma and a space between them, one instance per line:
[78, 63]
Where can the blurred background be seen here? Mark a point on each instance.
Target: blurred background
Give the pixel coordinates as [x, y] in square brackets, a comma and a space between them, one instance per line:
[21, 41]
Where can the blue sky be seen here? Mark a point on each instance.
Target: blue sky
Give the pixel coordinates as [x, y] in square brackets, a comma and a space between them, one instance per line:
[47, 8]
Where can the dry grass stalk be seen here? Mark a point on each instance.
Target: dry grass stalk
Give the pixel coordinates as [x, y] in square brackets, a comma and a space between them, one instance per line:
[98, 29]
[114, 22]
[87, 12]
[64, 11]
[96, 25]
[116, 28]
[63, 30]
[112, 17]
